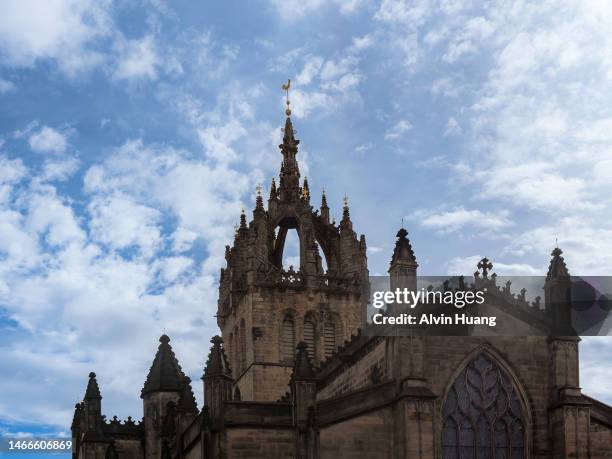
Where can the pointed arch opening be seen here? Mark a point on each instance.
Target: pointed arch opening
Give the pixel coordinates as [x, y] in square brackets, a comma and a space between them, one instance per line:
[291, 250]
[287, 339]
[310, 336]
[484, 414]
[242, 346]
[329, 338]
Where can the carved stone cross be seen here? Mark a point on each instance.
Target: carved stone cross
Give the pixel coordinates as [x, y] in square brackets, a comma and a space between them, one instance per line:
[485, 265]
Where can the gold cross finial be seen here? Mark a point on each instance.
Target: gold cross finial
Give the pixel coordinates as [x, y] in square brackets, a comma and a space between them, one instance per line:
[286, 89]
[258, 189]
[345, 200]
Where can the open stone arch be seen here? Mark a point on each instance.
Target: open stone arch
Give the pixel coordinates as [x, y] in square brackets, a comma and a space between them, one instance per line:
[485, 411]
[288, 220]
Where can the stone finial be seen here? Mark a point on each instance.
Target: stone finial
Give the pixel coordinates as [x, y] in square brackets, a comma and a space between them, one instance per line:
[217, 363]
[557, 268]
[403, 249]
[93, 391]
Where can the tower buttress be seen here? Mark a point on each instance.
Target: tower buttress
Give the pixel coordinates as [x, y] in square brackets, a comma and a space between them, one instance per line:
[217, 379]
[557, 293]
[164, 384]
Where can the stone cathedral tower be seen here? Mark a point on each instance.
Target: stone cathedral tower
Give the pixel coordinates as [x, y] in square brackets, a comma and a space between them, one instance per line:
[294, 376]
[266, 308]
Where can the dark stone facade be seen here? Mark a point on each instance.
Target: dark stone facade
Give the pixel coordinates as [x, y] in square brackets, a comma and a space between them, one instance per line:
[293, 376]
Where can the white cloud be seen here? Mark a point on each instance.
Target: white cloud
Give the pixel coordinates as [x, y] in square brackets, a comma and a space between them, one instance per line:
[6, 86]
[137, 59]
[311, 68]
[459, 218]
[62, 30]
[119, 222]
[293, 10]
[397, 131]
[452, 127]
[48, 140]
[467, 265]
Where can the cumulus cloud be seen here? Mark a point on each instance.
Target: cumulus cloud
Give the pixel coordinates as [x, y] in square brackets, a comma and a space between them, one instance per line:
[64, 31]
[48, 140]
[456, 219]
[137, 59]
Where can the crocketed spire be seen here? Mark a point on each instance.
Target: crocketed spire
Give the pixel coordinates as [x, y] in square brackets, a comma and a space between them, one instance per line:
[557, 267]
[165, 374]
[273, 191]
[346, 223]
[324, 201]
[93, 391]
[259, 200]
[305, 190]
[403, 250]
[217, 361]
[243, 222]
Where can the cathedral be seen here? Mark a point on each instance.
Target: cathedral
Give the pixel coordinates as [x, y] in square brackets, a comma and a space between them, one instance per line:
[294, 374]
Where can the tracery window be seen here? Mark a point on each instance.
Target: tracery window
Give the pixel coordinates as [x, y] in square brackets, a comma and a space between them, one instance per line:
[482, 415]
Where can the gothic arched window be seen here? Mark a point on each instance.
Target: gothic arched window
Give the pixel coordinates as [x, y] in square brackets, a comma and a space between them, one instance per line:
[287, 341]
[482, 414]
[329, 338]
[310, 337]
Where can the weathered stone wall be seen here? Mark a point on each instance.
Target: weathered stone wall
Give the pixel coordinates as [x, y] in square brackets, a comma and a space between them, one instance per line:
[601, 441]
[263, 312]
[367, 436]
[129, 449]
[358, 374]
[253, 443]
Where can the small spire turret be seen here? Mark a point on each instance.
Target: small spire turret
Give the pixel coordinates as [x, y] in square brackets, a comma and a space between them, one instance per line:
[346, 216]
[243, 222]
[557, 268]
[93, 391]
[305, 190]
[258, 199]
[324, 209]
[273, 191]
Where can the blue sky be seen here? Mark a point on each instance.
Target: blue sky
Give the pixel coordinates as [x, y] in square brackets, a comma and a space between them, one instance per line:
[132, 133]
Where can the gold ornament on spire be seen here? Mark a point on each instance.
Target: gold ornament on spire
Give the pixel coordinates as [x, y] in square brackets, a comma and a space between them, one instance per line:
[345, 200]
[286, 89]
[258, 189]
